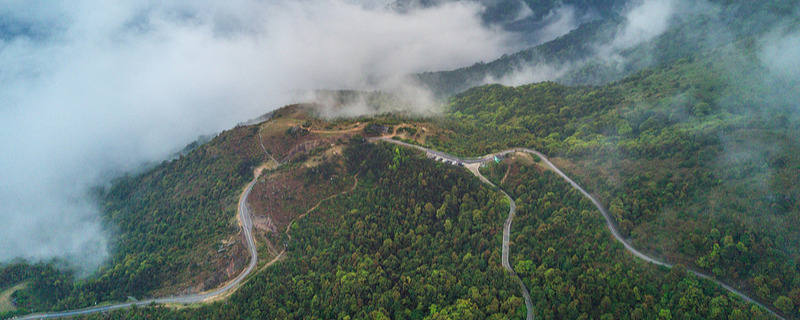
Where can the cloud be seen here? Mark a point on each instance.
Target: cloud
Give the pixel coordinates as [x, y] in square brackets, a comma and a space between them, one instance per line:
[530, 74]
[533, 29]
[524, 12]
[644, 22]
[559, 22]
[93, 89]
[779, 53]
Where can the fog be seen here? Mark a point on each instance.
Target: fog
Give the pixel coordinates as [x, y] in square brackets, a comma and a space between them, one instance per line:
[634, 45]
[754, 65]
[556, 23]
[780, 52]
[642, 21]
[94, 89]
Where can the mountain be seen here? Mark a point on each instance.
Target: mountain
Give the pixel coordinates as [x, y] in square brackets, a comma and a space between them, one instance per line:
[172, 226]
[690, 144]
[404, 236]
[528, 15]
[593, 53]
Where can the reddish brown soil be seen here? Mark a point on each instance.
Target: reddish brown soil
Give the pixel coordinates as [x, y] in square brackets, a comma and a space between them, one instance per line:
[285, 145]
[280, 197]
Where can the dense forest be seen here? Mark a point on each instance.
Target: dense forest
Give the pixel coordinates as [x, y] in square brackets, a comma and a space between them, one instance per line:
[677, 150]
[385, 250]
[576, 270]
[692, 146]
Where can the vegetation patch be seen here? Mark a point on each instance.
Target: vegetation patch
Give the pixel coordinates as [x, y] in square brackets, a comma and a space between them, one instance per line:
[709, 189]
[176, 230]
[281, 196]
[576, 270]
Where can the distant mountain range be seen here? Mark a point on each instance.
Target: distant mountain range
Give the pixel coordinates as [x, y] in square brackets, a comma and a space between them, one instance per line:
[582, 56]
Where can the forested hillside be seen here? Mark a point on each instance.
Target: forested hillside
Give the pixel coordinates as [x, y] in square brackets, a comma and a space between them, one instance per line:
[391, 249]
[174, 227]
[588, 54]
[414, 239]
[691, 140]
[576, 270]
[694, 169]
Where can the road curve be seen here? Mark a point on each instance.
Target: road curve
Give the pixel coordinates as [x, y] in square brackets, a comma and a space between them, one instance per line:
[512, 209]
[609, 221]
[246, 221]
[472, 164]
[247, 226]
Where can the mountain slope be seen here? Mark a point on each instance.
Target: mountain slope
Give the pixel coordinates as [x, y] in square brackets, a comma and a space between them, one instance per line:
[694, 170]
[385, 250]
[599, 51]
[175, 231]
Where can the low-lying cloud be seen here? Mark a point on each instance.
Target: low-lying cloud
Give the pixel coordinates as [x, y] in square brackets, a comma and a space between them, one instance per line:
[537, 29]
[91, 90]
[780, 53]
[642, 22]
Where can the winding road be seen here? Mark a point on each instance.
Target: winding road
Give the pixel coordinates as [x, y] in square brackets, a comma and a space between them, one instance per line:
[247, 225]
[512, 209]
[473, 163]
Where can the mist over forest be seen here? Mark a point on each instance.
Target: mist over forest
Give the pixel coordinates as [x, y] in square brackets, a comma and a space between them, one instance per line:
[92, 91]
[125, 135]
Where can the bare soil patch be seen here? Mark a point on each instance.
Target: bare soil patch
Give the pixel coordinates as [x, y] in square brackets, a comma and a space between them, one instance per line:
[6, 303]
[282, 196]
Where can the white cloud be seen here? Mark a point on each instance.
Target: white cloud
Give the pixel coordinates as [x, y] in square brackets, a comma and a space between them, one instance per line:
[559, 22]
[530, 74]
[780, 54]
[644, 22]
[91, 89]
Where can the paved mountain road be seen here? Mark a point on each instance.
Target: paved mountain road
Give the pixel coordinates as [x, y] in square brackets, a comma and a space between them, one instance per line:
[473, 163]
[247, 225]
[512, 209]
[470, 163]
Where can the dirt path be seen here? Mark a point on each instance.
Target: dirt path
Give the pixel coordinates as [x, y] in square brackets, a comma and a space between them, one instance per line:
[5, 297]
[354, 129]
[505, 175]
[261, 143]
[289, 227]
